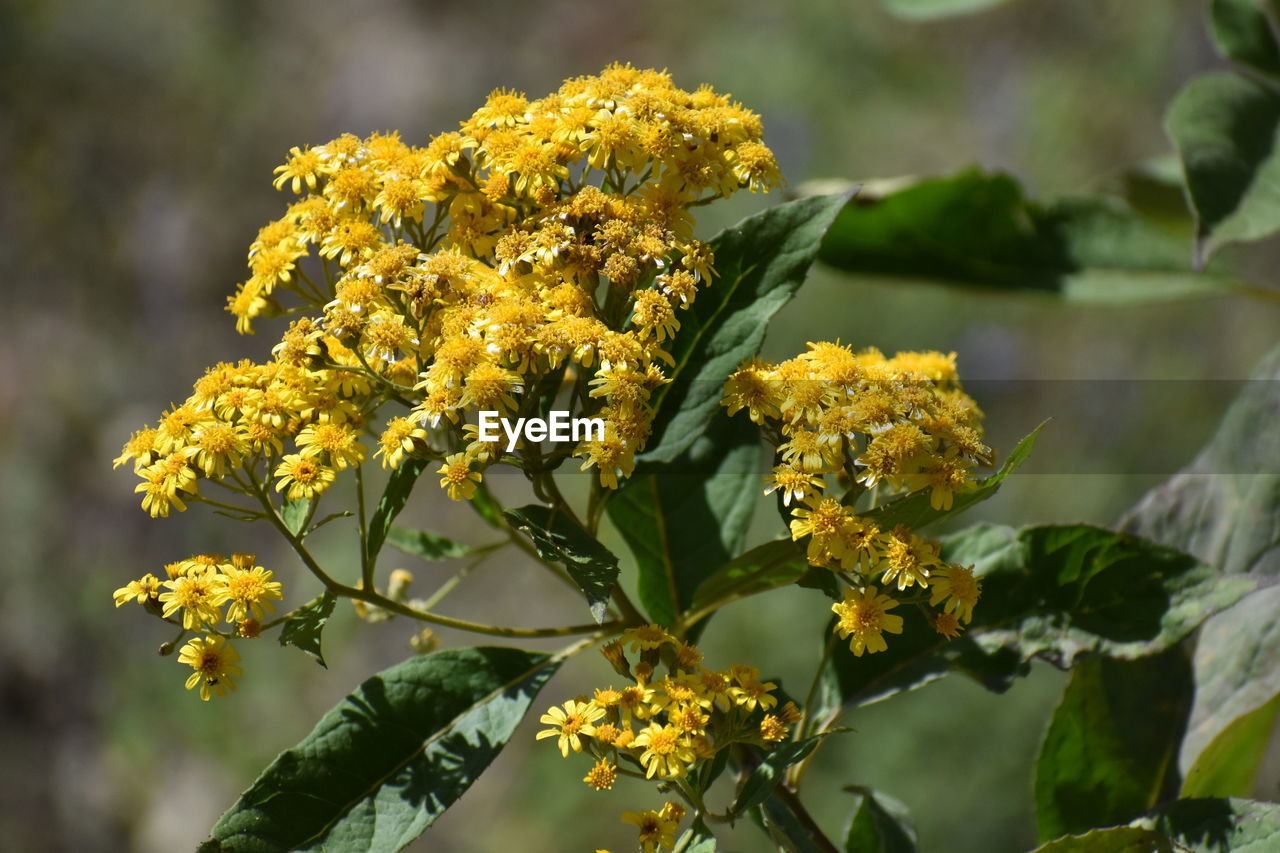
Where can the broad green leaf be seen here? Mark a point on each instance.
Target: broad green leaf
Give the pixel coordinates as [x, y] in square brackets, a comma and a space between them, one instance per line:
[1218, 825]
[394, 497]
[914, 510]
[387, 760]
[691, 517]
[1110, 752]
[294, 514]
[426, 545]
[880, 824]
[1054, 592]
[304, 626]
[768, 773]
[1225, 509]
[1225, 128]
[560, 539]
[1115, 839]
[1225, 506]
[1237, 664]
[928, 10]
[759, 264]
[764, 567]
[979, 230]
[1228, 765]
[1243, 34]
[1186, 826]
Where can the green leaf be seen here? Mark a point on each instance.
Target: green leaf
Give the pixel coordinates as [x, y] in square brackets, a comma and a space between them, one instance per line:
[1243, 34]
[1228, 765]
[1225, 507]
[558, 538]
[928, 10]
[426, 545]
[765, 777]
[1110, 752]
[303, 627]
[294, 514]
[785, 828]
[1054, 592]
[388, 759]
[691, 517]
[880, 824]
[1186, 826]
[1237, 663]
[1116, 839]
[394, 497]
[914, 510]
[765, 567]
[1225, 127]
[759, 263]
[979, 230]
[696, 839]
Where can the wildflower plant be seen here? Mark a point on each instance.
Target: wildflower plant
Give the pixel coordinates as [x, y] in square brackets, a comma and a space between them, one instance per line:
[541, 261]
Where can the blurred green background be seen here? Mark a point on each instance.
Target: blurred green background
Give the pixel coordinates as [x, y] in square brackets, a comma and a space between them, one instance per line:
[136, 146]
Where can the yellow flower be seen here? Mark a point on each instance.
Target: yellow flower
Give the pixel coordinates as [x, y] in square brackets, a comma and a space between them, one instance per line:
[250, 589]
[198, 596]
[772, 730]
[602, 775]
[646, 637]
[656, 830]
[947, 625]
[960, 589]
[339, 442]
[862, 618]
[398, 440]
[142, 590]
[457, 478]
[667, 753]
[302, 478]
[570, 724]
[214, 662]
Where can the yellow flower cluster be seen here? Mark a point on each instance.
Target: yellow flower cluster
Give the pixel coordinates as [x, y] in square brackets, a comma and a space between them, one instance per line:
[853, 427]
[542, 249]
[193, 596]
[665, 727]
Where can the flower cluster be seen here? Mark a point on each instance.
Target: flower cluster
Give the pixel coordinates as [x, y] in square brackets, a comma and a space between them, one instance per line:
[666, 728]
[199, 594]
[542, 250]
[851, 428]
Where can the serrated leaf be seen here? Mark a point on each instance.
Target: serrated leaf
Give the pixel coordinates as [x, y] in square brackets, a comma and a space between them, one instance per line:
[1228, 765]
[294, 514]
[1109, 753]
[1218, 825]
[426, 545]
[1226, 129]
[691, 516]
[759, 264]
[977, 229]
[558, 538]
[305, 625]
[1116, 839]
[1243, 34]
[914, 509]
[387, 760]
[394, 497]
[880, 824]
[765, 777]
[1053, 592]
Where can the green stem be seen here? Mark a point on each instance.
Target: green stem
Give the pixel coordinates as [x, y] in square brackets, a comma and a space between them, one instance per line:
[367, 561]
